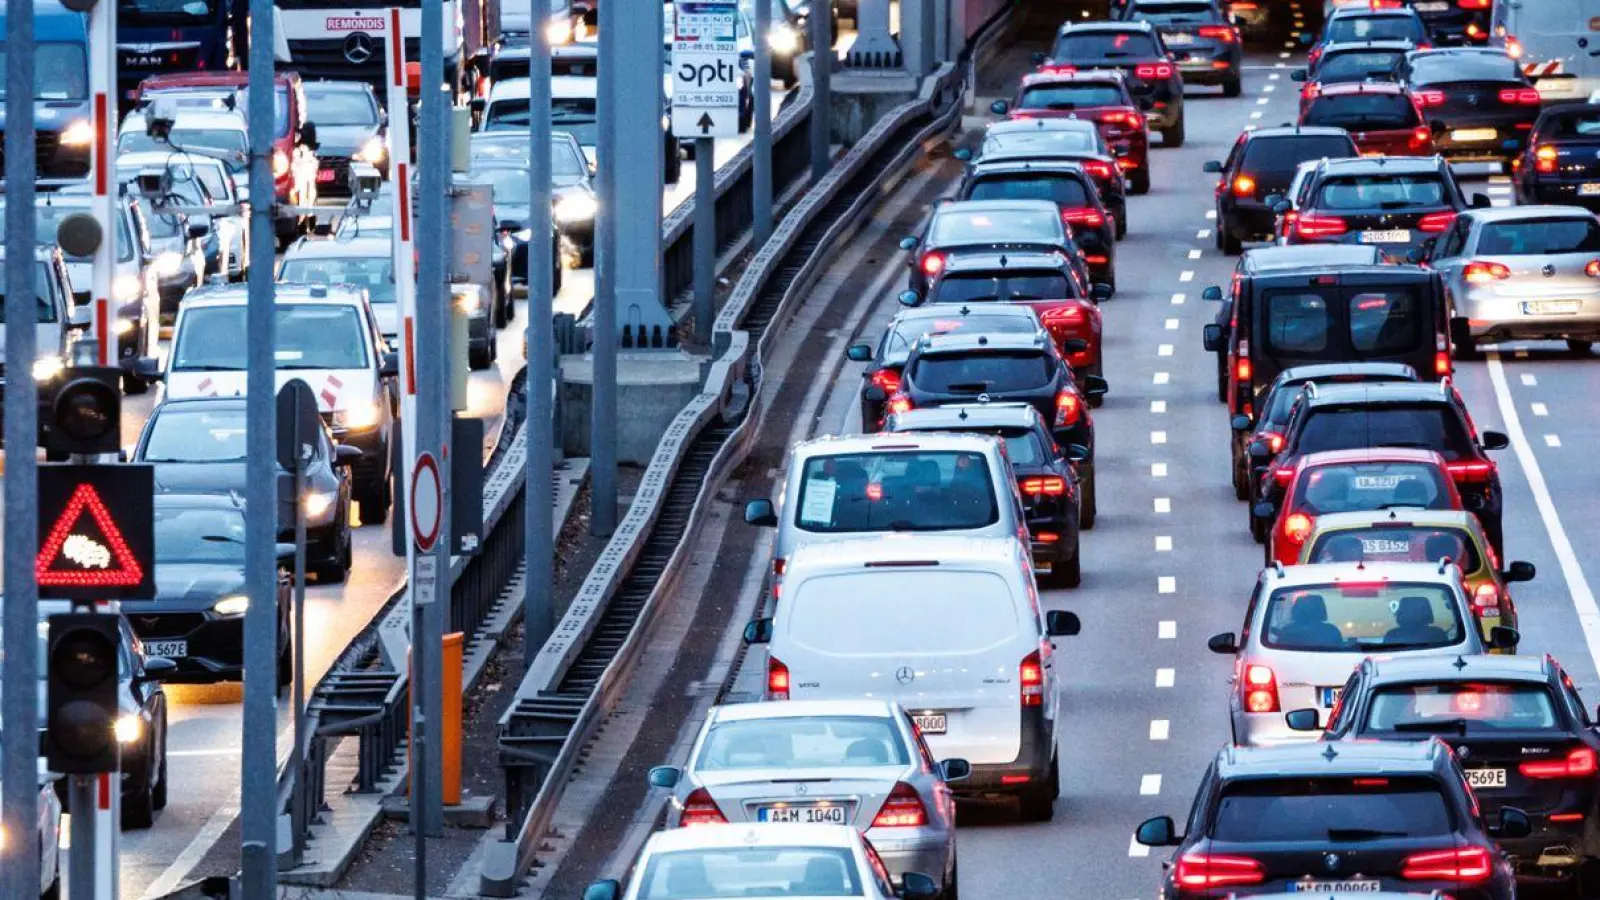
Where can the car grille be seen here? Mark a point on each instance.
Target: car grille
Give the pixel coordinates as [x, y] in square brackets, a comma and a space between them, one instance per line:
[325, 58]
[162, 625]
[339, 182]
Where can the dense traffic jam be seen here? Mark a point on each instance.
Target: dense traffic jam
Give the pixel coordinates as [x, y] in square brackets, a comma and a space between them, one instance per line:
[1385, 735]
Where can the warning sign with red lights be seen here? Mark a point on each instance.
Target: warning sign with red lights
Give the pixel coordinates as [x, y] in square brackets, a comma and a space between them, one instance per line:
[96, 525]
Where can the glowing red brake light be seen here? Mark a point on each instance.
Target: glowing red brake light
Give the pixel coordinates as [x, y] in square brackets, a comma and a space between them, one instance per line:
[777, 679]
[1083, 215]
[1297, 527]
[1048, 486]
[700, 809]
[1471, 471]
[1486, 599]
[1221, 33]
[1056, 69]
[1429, 98]
[1545, 158]
[932, 263]
[1483, 272]
[1069, 314]
[903, 809]
[1244, 186]
[1520, 96]
[888, 379]
[1260, 687]
[1441, 362]
[1592, 268]
[1421, 138]
[1209, 870]
[1030, 674]
[1153, 70]
[1068, 407]
[1460, 864]
[1283, 475]
[1310, 225]
[1580, 763]
[1097, 168]
[1274, 440]
[1128, 117]
[1436, 222]
[899, 403]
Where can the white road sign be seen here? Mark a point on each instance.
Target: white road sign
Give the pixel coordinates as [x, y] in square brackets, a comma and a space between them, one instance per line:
[705, 69]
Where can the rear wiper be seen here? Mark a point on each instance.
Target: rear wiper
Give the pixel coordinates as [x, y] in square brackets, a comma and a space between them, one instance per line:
[1361, 834]
[1062, 106]
[1458, 725]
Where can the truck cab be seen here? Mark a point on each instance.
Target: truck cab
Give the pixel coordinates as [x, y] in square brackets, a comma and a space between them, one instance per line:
[61, 121]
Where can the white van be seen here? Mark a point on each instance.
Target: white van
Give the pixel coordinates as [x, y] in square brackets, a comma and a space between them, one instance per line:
[948, 626]
[1555, 41]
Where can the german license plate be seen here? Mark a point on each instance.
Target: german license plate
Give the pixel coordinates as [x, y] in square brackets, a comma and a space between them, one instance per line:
[324, 175]
[1469, 135]
[1431, 6]
[1329, 696]
[930, 723]
[166, 649]
[1354, 886]
[1177, 38]
[1486, 779]
[1390, 236]
[827, 815]
[1551, 307]
[1589, 189]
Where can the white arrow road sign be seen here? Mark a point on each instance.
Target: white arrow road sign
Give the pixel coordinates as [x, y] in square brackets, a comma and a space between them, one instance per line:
[706, 69]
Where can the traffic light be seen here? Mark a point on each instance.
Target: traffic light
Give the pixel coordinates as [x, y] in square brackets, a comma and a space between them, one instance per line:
[86, 413]
[81, 707]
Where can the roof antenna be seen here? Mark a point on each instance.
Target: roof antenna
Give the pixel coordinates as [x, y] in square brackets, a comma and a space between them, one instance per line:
[962, 415]
[1329, 753]
[1460, 663]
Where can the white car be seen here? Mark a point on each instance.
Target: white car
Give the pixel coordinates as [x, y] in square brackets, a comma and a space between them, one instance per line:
[767, 861]
[222, 182]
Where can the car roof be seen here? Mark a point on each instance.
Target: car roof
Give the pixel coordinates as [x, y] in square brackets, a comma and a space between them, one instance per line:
[1334, 370]
[1328, 574]
[1374, 164]
[946, 310]
[1426, 518]
[355, 244]
[982, 342]
[837, 445]
[211, 500]
[1104, 26]
[1465, 667]
[1310, 759]
[981, 260]
[1013, 166]
[199, 402]
[967, 415]
[799, 709]
[191, 117]
[1091, 76]
[765, 834]
[1353, 11]
[1398, 46]
[1035, 126]
[1266, 259]
[1379, 392]
[899, 549]
[956, 207]
[287, 292]
[1532, 211]
[1282, 131]
[1369, 454]
[345, 87]
[163, 159]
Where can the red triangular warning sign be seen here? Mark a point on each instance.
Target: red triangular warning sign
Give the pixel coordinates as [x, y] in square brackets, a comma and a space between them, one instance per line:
[73, 555]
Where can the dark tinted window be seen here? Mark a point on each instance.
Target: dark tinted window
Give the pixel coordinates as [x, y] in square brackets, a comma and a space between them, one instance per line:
[1374, 28]
[1445, 67]
[906, 332]
[1177, 13]
[1381, 191]
[1360, 65]
[1385, 322]
[1070, 96]
[1042, 142]
[905, 491]
[338, 107]
[1105, 46]
[1431, 427]
[1359, 487]
[1363, 112]
[1387, 543]
[959, 226]
[1283, 154]
[985, 287]
[1297, 323]
[1022, 444]
[45, 306]
[1482, 707]
[977, 373]
[766, 871]
[1540, 236]
[1571, 125]
[1063, 190]
[1323, 809]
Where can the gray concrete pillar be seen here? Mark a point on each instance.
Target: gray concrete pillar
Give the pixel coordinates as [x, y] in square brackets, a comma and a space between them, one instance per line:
[916, 36]
[875, 47]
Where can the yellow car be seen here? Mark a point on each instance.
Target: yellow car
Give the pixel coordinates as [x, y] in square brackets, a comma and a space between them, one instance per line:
[1423, 535]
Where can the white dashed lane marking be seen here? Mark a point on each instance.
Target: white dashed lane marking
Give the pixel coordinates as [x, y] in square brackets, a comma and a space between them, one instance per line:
[1137, 849]
[1528, 379]
[1158, 470]
[1167, 629]
[1194, 254]
[1211, 214]
[1163, 504]
[1177, 299]
[1158, 406]
[1166, 584]
[1150, 785]
[1256, 114]
[1161, 378]
[1158, 437]
[1166, 678]
[1159, 728]
[1539, 409]
[1552, 440]
[1172, 324]
[1186, 275]
[1163, 543]
[1164, 350]
[1202, 234]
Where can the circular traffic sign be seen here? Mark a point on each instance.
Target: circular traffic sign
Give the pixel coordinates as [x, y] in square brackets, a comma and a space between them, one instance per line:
[427, 502]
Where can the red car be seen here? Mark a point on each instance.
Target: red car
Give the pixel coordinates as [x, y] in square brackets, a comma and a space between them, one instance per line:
[1097, 95]
[1380, 117]
[1362, 480]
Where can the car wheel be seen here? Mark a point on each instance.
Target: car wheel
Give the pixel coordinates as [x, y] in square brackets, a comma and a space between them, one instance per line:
[158, 794]
[374, 500]
[1241, 482]
[674, 168]
[1231, 87]
[1227, 241]
[133, 384]
[1122, 224]
[1581, 348]
[1069, 572]
[1258, 528]
[952, 887]
[285, 667]
[1173, 137]
[480, 358]
[1087, 510]
[1038, 803]
[1466, 347]
[329, 571]
[1140, 182]
[138, 801]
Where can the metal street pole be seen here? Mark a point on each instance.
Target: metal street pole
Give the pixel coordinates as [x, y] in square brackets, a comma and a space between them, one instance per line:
[80, 856]
[603, 330]
[761, 164]
[538, 605]
[19, 672]
[821, 38]
[705, 238]
[302, 459]
[258, 761]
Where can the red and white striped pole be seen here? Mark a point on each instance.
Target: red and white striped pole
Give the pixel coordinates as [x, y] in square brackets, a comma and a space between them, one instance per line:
[103, 173]
[405, 259]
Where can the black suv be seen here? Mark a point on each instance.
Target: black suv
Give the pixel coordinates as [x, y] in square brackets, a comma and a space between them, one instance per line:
[1519, 728]
[969, 367]
[1137, 49]
[1336, 820]
[1262, 164]
[1094, 227]
[1561, 162]
[988, 225]
[1395, 414]
[1479, 102]
[1391, 202]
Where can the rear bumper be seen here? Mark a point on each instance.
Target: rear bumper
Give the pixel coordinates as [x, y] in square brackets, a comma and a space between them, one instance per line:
[1507, 142]
[1209, 65]
[1485, 316]
[1545, 189]
[924, 850]
[1554, 849]
[1265, 729]
[1030, 767]
[1249, 222]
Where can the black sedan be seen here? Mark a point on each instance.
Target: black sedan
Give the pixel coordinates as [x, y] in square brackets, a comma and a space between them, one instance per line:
[1069, 187]
[1483, 104]
[197, 617]
[987, 225]
[198, 447]
[350, 128]
[1561, 162]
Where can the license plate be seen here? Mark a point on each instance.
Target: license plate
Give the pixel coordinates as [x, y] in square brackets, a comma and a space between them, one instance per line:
[827, 815]
[1329, 696]
[324, 175]
[1589, 189]
[1431, 6]
[1391, 236]
[1355, 886]
[1473, 134]
[166, 649]
[1551, 307]
[1178, 38]
[1486, 779]
[930, 723]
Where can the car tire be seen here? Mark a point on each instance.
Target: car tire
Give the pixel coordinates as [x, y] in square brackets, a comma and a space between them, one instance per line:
[1140, 182]
[1241, 483]
[133, 385]
[1466, 347]
[1258, 528]
[1087, 508]
[374, 500]
[1173, 137]
[1038, 802]
[1581, 348]
[674, 168]
[1122, 226]
[481, 358]
[158, 793]
[329, 571]
[1227, 241]
[1098, 400]
[952, 888]
[1069, 572]
[747, 111]
[1231, 87]
[285, 667]
[138, 801]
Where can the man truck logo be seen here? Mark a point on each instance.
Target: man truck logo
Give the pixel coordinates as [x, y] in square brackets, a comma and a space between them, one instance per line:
[358, 47]
[355, 23]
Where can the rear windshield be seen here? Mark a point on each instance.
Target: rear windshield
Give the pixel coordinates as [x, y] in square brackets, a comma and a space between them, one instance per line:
[1363, 112]
[1177, 13]
[906, 332]
[1063, 190]
[1461, 706]
[1360, 65]
[1357, 487]
[1001, 226]
[1349, 29]
[1397, 543]
[1571, 125]
[896, 491]
[1317, 810]
[1105, 46]
[1382, 322]
[1382, 191]
[900, 613]
[1446, 67]
[1386, 321]
[721, 873]
[980, 373]
[1430, 427]
[1283, 396]
[1022, 444]
[1071, 96]
[1540, 237]
[985, 287]
[1042, 142]
[1282, 154]
[802, 742]
[1364, 618]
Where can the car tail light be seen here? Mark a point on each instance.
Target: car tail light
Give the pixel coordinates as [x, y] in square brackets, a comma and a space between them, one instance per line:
[1513, 47]
[1473, 4]
[1421, 138]
[1056, 69]
[899, 403]
[1242, 370]
[1124, 163]
[1031, 676]
[1483, 272]
[903, 809]
[1047, 485]
[1283, 475]
[1545, 158]
[1311, 58]
[1469, 470]
[1059, 316]
[1310, 225]
[1486, 599]
[1260, 690]
[888, 379]
[1580, 763]
[1520, 96]
[1429, 98]
[1068, 407]
[1436, 222]
[1297, 527]
[1244, 186]
[1310, 91]
[1086, 216]
[1221, 33]
[1274, 440]
[1096, 260]
[1441, 362]
[932, 263]
[1460, 864]
[1592, 269]
[1097, 168]
[1128, 117]
[1153, 70]
[777, 679]
[1209, 870]
[700, 809]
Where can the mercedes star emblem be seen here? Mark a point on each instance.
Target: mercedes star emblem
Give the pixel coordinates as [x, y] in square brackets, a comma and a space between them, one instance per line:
[1332, 862]
[801, 789]
[1549, 270]
[905, 675]
[358, 47]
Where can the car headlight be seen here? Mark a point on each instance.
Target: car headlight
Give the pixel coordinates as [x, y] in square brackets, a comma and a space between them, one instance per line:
[373, 151]
[468, 298]
[783, 39]
[357, 417]
[169, 263]
[46, 368]
[129, 728]
[122, 327]
[559, 31]
[666, 121]
[231, 605]
[78, 134]
[280, 163]
[127, 287]
[576, 206]
[317, 504]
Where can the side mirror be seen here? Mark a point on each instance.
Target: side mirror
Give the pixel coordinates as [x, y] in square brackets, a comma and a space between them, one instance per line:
[909, 243]
[1095, 386]
[148, 368]
[79, 318]
[157, 668]
[1438, 127]
[909, 298]
[478, 105]
[859, 353]
[284, 552]
[1503, 638]
[1302, 720]
[308, 136]
[1060, 623]
[1211, 166]
[1494, 440]
[1258, 451]
[1273, 199]
[1305, 38]
[1514, 824]
[1264, 510]
[1297, 75]
[1000, 108]
[1074, 345]
[761, 513]
[664, 776]
[1519, 571]
[963, 153]
[390, 368]
[1100, 292]
[917, 886]
[1211, 292]
[609, 889]
[1157, 832]
[1282, 207]
[955, 769]
[1480, 201]
[1211, 335]
[1075, 453]
[758, 631]
[1225, 643]
[1037, 58]
[346, 455]
[1241, 422]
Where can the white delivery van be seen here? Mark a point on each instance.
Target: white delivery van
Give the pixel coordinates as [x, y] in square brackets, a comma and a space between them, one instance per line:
[1557, 42]
[951, 628]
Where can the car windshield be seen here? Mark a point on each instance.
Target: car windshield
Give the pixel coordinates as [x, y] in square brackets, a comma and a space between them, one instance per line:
[1436, 68]
[907, 331]
[213, 98]
[375, 273]
[1382, 191]
[1352, 29]
[47, 220]
[195, 435]
[223, 143]
[982, 373]
[1319, 810]
[1432, 426]
[1540, 237]
[1400, 542]
[45, 310]
[746, 872]
[987, 287]
[199, 535]
[1063, 190]
[1358, 487]
[1462, 706]
[154, 13]
[1069, 95]
[310, 336]
[999, 226]
[512, 186]
[575, 115]
[927, 490]
[1088, 47]
[1366, 111]
[802, 742]
[1281, 155]
[339, 107]
[61, 71]
[1366, 617]
[1360, 65]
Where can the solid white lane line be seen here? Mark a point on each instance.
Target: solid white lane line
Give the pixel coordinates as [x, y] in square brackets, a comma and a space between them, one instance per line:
[1163, 504]
[1158, 470]
[1172, 324]
[1194, 254]
[1164, 350]
[1159, 729]
[1177, 299]
[1137, 849]
[1150, 785]
[1166, 678]
[1186, 275]
[1163, 543]
[209, 834]
[1552, 440]
[1539, 409]
[1158, 406]
[1161, 378]
[1167, 629]
[1158, 437]
[1528, 379]
[1166, 584]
